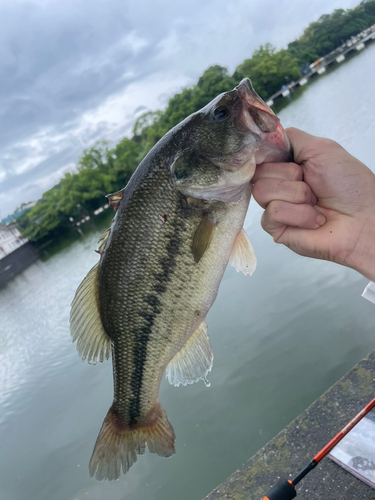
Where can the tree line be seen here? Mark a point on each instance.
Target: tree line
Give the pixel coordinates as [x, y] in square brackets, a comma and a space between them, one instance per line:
[102, 169]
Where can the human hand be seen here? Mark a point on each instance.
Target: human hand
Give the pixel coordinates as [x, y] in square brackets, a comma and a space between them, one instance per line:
[321, 206]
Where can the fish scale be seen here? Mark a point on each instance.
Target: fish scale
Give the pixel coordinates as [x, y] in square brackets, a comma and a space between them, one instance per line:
[177, 223]
[144, 285]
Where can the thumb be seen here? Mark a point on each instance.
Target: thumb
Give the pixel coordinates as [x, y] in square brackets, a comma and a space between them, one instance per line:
[303, 144]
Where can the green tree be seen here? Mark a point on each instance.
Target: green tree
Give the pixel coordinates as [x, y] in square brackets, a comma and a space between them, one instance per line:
[332, 30]
[268, 69]
[123, 160]
[101, 169]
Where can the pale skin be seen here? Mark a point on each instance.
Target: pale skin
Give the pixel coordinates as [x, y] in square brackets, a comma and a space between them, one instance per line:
[321, 206]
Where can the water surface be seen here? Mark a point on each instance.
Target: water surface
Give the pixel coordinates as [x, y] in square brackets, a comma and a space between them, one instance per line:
[280, 339]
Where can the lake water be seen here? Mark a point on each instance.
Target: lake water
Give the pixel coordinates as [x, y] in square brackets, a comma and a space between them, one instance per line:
[280, 339]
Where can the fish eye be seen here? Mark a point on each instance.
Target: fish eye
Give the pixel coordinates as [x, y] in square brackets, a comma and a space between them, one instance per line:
[220, 114]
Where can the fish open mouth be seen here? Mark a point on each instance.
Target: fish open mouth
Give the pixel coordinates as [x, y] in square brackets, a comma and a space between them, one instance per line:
[259, 118]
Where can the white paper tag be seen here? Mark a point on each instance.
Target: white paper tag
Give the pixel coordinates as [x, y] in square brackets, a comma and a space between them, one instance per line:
[369, 292]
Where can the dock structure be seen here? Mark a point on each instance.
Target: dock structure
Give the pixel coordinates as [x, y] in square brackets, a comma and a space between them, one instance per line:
[295, 446]
[10, 239]
[14, 262]
[356, 43]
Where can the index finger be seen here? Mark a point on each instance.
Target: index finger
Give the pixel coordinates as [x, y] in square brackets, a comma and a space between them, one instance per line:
[282, 171]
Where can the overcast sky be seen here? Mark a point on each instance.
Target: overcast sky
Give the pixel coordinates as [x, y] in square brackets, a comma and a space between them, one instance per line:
[75, 71]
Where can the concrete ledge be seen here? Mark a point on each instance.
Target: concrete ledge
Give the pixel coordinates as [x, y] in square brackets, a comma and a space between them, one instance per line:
[298, 443]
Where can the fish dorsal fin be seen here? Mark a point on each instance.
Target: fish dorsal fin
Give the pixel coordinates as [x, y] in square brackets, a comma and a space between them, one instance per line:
[103, 242]
[86, 326]
[115, 198]
[202, 237]
[193, 361]
[243, 257]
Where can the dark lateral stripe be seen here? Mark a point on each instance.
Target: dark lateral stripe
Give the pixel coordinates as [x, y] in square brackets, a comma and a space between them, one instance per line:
[168, 265]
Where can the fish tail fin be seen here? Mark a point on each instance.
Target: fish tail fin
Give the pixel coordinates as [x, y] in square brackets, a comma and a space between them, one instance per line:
[118, 444]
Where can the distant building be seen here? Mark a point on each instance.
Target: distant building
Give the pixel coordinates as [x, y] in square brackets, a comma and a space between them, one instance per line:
[10, 240]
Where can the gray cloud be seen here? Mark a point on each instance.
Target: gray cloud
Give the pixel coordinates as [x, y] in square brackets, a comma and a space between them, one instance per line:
[56, 65]
[76, 71]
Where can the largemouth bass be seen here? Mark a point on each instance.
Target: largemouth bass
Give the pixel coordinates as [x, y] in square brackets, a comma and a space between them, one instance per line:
[178, 222]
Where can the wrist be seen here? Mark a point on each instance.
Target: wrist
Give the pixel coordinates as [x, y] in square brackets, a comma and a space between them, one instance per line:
[362, 258]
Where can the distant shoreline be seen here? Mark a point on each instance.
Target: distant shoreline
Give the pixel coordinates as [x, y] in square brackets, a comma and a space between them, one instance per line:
[330, 61]
[102, 169]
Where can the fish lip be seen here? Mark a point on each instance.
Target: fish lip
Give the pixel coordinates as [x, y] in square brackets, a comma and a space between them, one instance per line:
[246, 82]
[272, 131]
[255, 115]
[248, 95]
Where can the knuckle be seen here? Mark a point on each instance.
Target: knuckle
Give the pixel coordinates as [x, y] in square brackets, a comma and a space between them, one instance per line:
[264, 191]
[322, 143]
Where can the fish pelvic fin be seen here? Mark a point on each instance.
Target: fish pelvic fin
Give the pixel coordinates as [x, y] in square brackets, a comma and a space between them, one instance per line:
[243, 256]
[193, 361]
[118, 444]
[86, 325]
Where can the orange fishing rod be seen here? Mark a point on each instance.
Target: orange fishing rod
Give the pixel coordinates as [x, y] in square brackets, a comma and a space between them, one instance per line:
[285, 488]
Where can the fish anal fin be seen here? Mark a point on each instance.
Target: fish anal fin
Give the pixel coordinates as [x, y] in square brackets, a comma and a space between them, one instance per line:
[202, 237]
[193, 361]
[243, 257]
[118, 444]
[86, 326]
[115, 198]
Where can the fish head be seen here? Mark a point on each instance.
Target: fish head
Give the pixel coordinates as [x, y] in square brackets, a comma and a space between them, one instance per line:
[227, 139]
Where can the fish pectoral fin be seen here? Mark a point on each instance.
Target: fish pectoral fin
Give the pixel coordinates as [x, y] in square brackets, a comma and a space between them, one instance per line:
[193, 361]
[202, 237]
[86, 325]
[243, 257]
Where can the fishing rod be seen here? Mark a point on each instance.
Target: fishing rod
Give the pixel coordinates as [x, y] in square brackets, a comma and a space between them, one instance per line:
[285, 489]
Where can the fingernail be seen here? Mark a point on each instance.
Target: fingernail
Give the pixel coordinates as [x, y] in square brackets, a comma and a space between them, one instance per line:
[321, 219]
